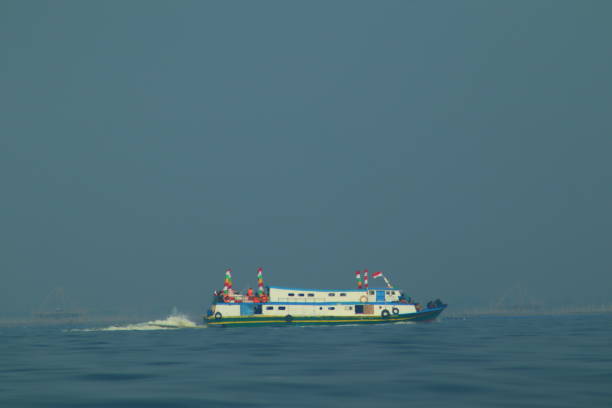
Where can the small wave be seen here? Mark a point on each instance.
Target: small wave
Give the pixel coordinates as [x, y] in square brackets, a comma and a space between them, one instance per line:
[171, 322]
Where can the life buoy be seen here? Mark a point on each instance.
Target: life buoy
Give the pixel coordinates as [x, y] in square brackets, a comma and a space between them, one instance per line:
[288, 318]
[385, 314]
[395, 310]
[363, 299]
[218, 316]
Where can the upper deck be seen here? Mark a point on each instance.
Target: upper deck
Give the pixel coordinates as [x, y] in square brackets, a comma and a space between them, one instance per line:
[295, 295]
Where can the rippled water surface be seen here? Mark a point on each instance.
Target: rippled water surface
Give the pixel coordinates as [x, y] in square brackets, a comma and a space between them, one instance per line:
[547, 361]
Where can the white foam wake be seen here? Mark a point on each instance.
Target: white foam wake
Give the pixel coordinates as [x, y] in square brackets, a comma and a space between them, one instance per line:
[172, 322]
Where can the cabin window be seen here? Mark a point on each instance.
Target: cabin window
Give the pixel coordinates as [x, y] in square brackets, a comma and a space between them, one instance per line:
[320, 307]
[291, 294]
[301, 294]
[371, 292]
[269, 307]
[332, 294]
[331, 308]
[358, 309]
[281, 308]
[393, 292]
[343, 294]
[311, 295]
[388, 292]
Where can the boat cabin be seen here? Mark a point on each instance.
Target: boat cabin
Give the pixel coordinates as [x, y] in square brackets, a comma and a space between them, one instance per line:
[314, 302]
[291, 295]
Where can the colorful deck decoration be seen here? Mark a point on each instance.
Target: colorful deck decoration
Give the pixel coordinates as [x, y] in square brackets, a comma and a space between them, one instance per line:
[260, 283]
[227, 285]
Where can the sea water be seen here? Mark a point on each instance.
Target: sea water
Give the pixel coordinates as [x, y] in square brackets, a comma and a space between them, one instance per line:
[540, 361]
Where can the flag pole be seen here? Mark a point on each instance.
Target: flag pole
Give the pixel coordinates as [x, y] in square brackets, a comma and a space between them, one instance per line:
[378, 275]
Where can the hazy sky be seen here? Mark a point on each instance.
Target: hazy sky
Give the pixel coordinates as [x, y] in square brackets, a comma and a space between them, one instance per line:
[462, 147]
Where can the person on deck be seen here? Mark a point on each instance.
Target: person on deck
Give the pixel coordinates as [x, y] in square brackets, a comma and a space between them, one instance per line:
[250, 293]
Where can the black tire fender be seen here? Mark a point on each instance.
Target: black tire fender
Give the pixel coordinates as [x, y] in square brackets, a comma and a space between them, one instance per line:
[385, 314]
[288, 318]
[218, 316]
[395, 311]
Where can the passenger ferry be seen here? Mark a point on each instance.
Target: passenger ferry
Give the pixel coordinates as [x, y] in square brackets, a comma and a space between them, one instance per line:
[280, 306]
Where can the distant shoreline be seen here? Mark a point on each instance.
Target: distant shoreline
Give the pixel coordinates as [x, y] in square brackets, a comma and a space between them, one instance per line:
[578, 310]
[26, 321]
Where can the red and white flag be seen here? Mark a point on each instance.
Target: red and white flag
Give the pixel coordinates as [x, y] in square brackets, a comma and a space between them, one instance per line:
[377, 274]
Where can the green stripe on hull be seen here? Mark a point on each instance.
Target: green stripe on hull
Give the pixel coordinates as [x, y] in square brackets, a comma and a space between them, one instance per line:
[321, 320]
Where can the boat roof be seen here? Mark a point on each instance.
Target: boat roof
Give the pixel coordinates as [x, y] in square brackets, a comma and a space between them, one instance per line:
[330, 290]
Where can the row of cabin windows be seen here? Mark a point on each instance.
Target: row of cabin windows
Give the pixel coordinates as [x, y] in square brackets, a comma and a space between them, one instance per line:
[320, 308]
[372, 292]
[389, 292]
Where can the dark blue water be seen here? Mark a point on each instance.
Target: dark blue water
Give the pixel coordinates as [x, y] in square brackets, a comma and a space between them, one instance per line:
[559, 361]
